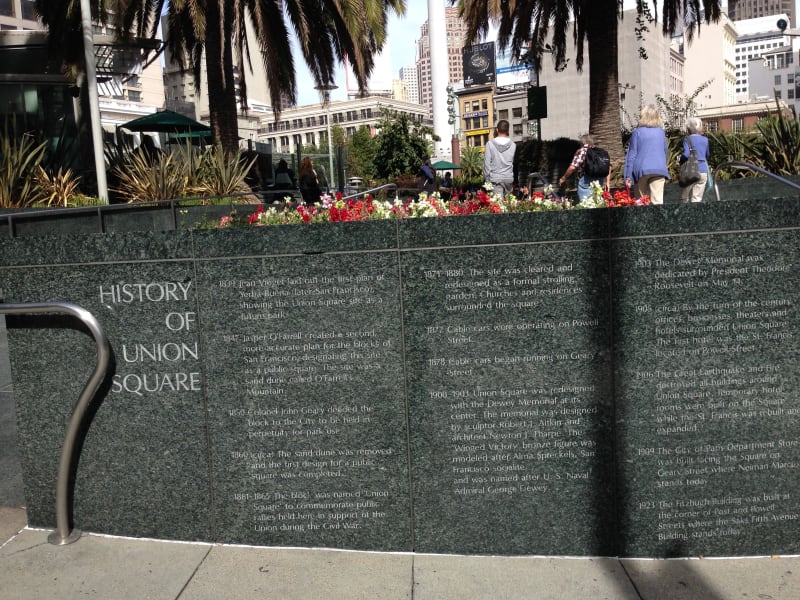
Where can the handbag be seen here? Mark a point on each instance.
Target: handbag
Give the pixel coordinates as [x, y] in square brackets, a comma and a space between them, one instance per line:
[689, 172]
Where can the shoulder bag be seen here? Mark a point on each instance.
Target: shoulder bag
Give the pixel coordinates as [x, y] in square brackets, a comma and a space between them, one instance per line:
[689, 172]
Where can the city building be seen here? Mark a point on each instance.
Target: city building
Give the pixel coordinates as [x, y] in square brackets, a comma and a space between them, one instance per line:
[308, 125]
[740, 117]
[408, 75]
[774, 75]
[739, 10]
[18, 14]
[129, 86]
[477, 115]
[511, 104]
[456, 31]
[756, 37]
[710, 64]
[640, 80]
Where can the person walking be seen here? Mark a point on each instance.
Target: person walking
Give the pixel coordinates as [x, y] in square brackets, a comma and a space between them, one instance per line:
[427, 178]
[695, 191]
[585, 178]
[309, 184]
[498, 160]
[646, 159]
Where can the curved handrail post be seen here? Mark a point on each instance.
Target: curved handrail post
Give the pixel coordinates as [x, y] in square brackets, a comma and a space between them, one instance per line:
[63, 535]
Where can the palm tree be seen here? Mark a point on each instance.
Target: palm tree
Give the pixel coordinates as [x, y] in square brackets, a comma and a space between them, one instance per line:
[328, 31]
[533, 27]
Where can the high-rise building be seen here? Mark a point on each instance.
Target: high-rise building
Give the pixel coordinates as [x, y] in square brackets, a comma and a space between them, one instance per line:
[408, 75]
[710, 65]
[739, 10]
[456, 30]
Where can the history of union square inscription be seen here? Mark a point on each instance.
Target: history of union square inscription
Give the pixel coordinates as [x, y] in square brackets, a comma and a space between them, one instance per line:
[708, 405]
[306, 401]
[508, 353]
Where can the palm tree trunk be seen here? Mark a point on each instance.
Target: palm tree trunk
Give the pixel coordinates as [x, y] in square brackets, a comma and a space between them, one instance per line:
[219, 68]
[604, 120]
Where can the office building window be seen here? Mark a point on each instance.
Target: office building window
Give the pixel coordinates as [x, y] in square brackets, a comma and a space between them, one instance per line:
[517, 112]
[27, 10]
[7, 8]
[502, 114]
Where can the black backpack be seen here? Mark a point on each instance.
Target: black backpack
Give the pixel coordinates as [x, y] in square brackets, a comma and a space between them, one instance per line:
[597, 163]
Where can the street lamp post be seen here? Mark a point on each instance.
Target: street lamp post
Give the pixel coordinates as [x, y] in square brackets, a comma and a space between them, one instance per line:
[94, 102]
[326, 95]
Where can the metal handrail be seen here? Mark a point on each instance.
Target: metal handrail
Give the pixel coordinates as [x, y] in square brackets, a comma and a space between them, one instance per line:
[370, 191]
[174, 205]
[63, 535]
[746, 165]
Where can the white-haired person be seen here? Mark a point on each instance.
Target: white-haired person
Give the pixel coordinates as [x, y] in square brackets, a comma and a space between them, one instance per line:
[695, 191]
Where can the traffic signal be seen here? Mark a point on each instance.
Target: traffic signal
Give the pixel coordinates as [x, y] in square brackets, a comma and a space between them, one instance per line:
[537, 102]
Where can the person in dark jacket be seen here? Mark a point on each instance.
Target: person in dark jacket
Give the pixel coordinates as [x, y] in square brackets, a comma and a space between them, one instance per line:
[309, 183]
[427, 178]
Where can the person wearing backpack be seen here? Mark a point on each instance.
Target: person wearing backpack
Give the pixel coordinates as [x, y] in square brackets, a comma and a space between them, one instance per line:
[592, 163]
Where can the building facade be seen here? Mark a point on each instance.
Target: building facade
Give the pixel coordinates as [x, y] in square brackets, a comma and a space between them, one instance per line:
[711, 64]
[477, 118]
[739, 118]
[456, 31]
[128, 87]
[18, 14]
[739, 10]
[408, 75]
[308, 125]
[755, 37]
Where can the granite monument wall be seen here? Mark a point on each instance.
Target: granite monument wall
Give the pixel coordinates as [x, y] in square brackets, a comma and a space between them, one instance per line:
[600, 382]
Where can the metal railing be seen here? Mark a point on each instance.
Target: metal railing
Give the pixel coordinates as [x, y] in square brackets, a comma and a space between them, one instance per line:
[386, 186]
[63, 534]
[740, 164]
[14, 216]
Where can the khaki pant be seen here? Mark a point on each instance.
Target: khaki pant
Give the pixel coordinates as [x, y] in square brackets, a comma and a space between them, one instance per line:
[653, 186]
[694, 192]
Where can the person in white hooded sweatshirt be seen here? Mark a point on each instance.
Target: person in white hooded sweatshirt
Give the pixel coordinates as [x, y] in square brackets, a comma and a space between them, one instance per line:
[498, 160]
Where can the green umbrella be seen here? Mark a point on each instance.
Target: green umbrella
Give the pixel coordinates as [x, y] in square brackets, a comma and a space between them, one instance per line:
[166, 121]
[444, 165]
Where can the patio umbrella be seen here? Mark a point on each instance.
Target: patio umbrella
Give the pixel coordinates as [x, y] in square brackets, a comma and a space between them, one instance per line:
[444, 165]
[166, 121]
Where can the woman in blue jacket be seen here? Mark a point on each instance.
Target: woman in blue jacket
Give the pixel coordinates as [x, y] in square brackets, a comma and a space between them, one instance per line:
[646, 159]
[694, 192]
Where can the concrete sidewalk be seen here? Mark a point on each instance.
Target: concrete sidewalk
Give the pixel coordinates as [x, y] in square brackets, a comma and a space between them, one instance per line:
[111, 568]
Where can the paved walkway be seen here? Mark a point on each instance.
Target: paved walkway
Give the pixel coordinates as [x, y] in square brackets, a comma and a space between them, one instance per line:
[110, 568]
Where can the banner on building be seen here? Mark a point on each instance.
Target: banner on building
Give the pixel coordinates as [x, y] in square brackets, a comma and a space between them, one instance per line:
[479, 64]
